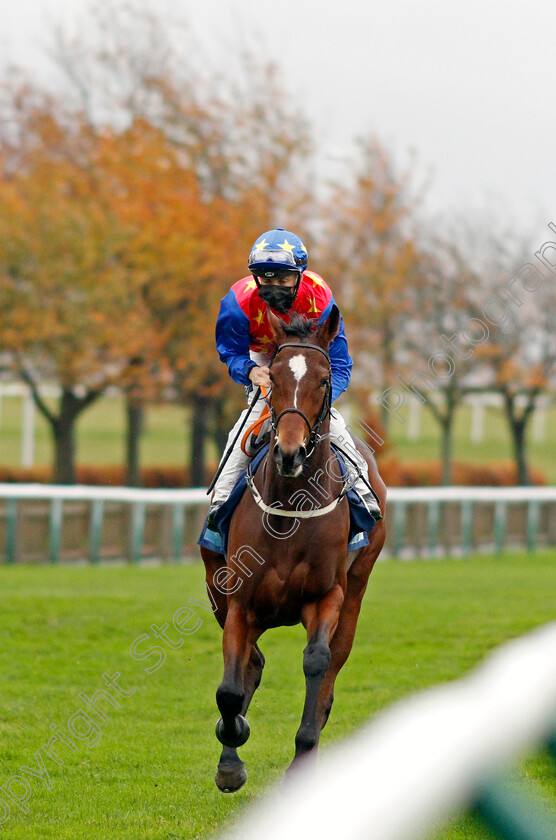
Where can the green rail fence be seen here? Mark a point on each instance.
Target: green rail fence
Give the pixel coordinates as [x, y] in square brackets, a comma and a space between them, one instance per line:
[49, 523]
[41, 522]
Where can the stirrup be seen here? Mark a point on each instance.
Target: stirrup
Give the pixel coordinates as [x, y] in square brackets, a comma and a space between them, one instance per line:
[371, 503]
[211, 525]
[257, 442]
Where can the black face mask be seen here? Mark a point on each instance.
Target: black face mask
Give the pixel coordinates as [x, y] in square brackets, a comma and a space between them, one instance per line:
[281, 298]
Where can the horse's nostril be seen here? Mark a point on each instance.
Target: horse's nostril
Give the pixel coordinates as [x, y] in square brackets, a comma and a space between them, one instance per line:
[288, 463]
[277, 455]
[299, 456]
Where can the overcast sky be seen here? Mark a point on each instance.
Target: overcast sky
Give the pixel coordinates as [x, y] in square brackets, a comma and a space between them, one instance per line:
[469, 86]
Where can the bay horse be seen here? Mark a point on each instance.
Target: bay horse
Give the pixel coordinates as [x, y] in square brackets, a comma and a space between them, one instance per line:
[282, 570]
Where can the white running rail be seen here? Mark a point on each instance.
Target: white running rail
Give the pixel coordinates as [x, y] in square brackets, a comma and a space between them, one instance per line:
[422, 760]
[410, 510]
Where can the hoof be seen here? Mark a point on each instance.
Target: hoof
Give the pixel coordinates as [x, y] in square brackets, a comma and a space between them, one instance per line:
[302, 765]
[229, 779]
[240, 734]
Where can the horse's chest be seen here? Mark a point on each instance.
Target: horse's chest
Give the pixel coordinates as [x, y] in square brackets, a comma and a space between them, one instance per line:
[287, 587]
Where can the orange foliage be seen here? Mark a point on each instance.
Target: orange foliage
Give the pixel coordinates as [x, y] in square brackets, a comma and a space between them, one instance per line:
[371, 259]
[393, 472]
[428, 474]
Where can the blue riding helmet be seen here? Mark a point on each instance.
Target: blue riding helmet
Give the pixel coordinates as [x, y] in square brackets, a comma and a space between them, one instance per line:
[276, 252]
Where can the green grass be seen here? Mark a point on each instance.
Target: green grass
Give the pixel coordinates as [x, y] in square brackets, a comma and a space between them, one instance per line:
[101, 437]
[151, 774]
[101, 434]
[496, 445]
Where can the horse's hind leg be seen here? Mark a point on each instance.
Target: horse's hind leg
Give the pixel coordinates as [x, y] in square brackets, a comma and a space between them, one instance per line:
[357, 578]
[213, 564]
[231, 773]
[342, 641]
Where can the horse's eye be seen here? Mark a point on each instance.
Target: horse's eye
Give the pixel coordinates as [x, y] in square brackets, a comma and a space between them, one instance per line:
[324, 382]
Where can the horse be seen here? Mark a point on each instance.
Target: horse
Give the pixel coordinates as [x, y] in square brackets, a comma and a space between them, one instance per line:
[293, 566]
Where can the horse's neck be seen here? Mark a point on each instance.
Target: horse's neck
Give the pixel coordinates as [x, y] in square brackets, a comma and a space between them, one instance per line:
[316, 481]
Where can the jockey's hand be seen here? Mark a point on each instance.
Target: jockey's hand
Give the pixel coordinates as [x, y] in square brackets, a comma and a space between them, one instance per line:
[260, 376]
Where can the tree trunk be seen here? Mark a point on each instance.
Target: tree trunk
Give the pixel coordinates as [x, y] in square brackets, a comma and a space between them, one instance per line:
[445, 420]
[518, 427]
[64, 449]
[518, 443]
[198, 441]
[62, 424]
[446, 449]
[135, 417]
[64, 437]
[452, 396]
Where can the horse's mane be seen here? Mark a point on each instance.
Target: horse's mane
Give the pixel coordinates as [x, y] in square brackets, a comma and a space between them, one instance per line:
[300, 326]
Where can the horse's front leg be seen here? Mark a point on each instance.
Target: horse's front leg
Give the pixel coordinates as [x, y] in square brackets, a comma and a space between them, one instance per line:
[231, 774]
[232, 730]
[321, 620]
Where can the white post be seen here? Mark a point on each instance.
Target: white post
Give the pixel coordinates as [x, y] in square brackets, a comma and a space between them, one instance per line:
[414, 425]
[477, 422]
[28, 435]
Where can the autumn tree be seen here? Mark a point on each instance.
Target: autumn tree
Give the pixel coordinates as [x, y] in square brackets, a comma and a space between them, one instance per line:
[132, 209]
[70, 311]
[435, 363]
[241, 143]
[371, 258]
[519, 359]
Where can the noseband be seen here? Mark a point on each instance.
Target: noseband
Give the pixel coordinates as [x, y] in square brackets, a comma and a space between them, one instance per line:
[314, 436]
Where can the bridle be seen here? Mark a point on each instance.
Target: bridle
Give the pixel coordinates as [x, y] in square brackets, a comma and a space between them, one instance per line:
[314, 436]
[314, 439]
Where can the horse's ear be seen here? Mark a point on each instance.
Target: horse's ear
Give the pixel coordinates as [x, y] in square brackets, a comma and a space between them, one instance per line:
[330, 327]
[276, 325]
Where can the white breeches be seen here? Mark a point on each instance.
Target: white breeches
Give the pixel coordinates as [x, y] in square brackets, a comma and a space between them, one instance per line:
[238, 461]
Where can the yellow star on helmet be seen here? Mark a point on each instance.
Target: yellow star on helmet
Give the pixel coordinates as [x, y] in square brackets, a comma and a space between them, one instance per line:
[260, 317]
[287, 246]
[265, 339]
[260, 246]
[313, 306]
[251, 284]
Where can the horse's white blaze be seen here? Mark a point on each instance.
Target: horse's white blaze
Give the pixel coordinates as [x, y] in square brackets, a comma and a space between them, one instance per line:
[298, 367]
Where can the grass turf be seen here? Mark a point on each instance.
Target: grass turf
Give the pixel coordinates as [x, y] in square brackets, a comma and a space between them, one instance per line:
[151, 774]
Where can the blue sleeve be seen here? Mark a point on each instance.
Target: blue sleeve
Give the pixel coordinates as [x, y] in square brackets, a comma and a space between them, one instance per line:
[232, 339]
[340, 360]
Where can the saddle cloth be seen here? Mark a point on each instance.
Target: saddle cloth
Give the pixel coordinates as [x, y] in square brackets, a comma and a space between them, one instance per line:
[361, 521]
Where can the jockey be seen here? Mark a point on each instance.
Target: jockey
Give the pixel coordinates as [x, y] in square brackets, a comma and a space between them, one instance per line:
[278, 263]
